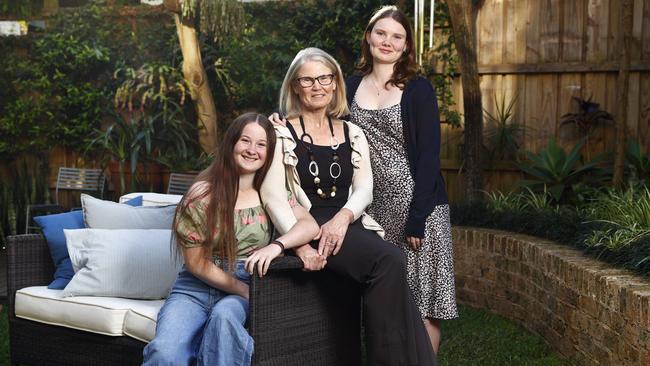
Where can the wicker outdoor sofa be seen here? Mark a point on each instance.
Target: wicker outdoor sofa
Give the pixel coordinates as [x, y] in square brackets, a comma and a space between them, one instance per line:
[296, 318]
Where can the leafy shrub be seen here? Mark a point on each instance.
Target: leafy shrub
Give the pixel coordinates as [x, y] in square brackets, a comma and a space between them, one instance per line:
[55, 85]
[612, 225]
[555, 171]
[625, 215]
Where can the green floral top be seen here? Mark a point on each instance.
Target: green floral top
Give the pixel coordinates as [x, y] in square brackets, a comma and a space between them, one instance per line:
[252, 227]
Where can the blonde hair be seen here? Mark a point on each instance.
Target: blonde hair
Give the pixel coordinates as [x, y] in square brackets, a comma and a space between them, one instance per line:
[290, 103]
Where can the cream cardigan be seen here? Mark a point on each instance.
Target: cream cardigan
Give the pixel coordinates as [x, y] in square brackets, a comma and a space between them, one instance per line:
[283, 173]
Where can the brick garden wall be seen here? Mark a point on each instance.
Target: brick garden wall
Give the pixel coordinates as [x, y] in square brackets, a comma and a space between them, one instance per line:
[585, 309]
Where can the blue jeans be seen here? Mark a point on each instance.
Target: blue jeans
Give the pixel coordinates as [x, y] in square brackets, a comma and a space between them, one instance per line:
[201, 325]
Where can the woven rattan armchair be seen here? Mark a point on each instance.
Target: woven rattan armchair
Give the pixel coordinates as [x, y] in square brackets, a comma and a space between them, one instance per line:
[296, 318]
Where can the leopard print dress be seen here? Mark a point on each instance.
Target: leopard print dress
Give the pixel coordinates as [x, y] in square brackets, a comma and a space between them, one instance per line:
[431, 268]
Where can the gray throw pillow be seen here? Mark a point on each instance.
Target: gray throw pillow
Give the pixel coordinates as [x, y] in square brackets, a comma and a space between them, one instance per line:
[136, 264]
[100, 214]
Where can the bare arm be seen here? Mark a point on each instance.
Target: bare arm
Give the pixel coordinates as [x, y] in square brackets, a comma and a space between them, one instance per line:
[362, 183]
[302, 232]
[199, 263]
[274, 195]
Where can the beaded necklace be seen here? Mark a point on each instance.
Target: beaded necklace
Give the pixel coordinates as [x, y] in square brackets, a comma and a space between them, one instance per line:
[335, 168]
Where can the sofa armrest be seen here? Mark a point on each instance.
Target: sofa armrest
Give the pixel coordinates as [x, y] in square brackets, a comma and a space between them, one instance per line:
[28, 264]
[299, 318]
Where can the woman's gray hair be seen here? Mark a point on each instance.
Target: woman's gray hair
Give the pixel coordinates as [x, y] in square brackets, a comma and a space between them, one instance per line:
[290, 103]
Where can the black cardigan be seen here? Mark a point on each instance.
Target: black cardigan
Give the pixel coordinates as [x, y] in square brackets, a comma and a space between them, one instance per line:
[421, 125]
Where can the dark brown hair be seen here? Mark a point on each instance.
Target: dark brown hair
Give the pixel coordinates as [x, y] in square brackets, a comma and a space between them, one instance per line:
[219, 184]
[405, 68]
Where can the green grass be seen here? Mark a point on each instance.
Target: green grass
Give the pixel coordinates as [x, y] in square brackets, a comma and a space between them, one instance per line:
[480, 338]
[475, 338]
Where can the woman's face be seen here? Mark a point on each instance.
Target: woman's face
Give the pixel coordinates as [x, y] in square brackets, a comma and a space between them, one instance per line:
[315, 84]
[251, 149]
[387, 41]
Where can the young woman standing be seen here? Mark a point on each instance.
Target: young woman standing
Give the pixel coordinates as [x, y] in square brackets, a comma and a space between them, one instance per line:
[397, 111]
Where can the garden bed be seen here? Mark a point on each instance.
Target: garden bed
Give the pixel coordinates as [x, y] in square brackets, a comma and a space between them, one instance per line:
[584, 308]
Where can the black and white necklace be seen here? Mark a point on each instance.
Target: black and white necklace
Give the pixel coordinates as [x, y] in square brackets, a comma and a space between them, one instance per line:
[335, 168]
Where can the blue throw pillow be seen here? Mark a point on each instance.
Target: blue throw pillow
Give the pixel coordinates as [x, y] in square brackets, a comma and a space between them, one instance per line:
[52, 227]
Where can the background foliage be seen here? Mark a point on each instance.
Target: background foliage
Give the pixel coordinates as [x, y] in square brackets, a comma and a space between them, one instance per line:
[608, 224]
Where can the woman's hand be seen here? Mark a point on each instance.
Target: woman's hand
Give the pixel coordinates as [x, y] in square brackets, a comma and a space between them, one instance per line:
[310, 258]
[413, 242]
[276, 120]
[262, 257]
[333, 232]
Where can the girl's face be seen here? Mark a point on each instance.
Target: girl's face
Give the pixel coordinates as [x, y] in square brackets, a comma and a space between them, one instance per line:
[315, 85]
[251, 149]
[387, 41]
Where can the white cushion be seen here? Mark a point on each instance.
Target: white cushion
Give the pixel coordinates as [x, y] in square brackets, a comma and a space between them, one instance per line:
[100, 214]
[135, 264]
[153, 199]
[103, 315]
[140, 320]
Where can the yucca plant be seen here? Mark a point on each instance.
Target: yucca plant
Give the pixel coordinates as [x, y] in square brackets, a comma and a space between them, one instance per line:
[555, 171]
[502, 133]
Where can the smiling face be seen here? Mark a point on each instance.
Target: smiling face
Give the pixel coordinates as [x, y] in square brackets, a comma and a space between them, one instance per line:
[316, 96]
[387, 41]
[250, 150]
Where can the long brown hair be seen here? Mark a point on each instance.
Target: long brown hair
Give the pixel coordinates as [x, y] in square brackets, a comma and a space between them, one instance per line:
[405, 68]
[218, 184]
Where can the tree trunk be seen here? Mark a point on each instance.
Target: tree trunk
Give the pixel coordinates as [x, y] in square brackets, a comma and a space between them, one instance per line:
[463, 15]
[196, 77]
[622, 86]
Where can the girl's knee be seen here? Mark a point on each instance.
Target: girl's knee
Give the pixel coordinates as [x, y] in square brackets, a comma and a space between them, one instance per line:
[230, 309]
[162, 352]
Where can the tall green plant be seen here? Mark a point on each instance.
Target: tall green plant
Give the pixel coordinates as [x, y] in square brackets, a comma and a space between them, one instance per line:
[502, 132]
[27, 185]
[157, 93]
[123, 141]
[554, 170]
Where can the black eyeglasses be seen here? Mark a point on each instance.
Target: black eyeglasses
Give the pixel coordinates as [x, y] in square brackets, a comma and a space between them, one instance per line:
[323, 80]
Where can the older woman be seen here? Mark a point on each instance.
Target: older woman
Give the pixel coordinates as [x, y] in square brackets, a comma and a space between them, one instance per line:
[324, 162]
[397, 110]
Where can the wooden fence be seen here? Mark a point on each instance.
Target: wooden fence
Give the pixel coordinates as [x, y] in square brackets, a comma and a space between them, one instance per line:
[544, 52]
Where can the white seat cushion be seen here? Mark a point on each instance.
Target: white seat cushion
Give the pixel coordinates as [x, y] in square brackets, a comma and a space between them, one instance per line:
[103, 315]
[153, 199]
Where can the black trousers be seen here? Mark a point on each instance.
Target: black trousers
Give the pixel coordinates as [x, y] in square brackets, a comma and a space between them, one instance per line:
[394, 331]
